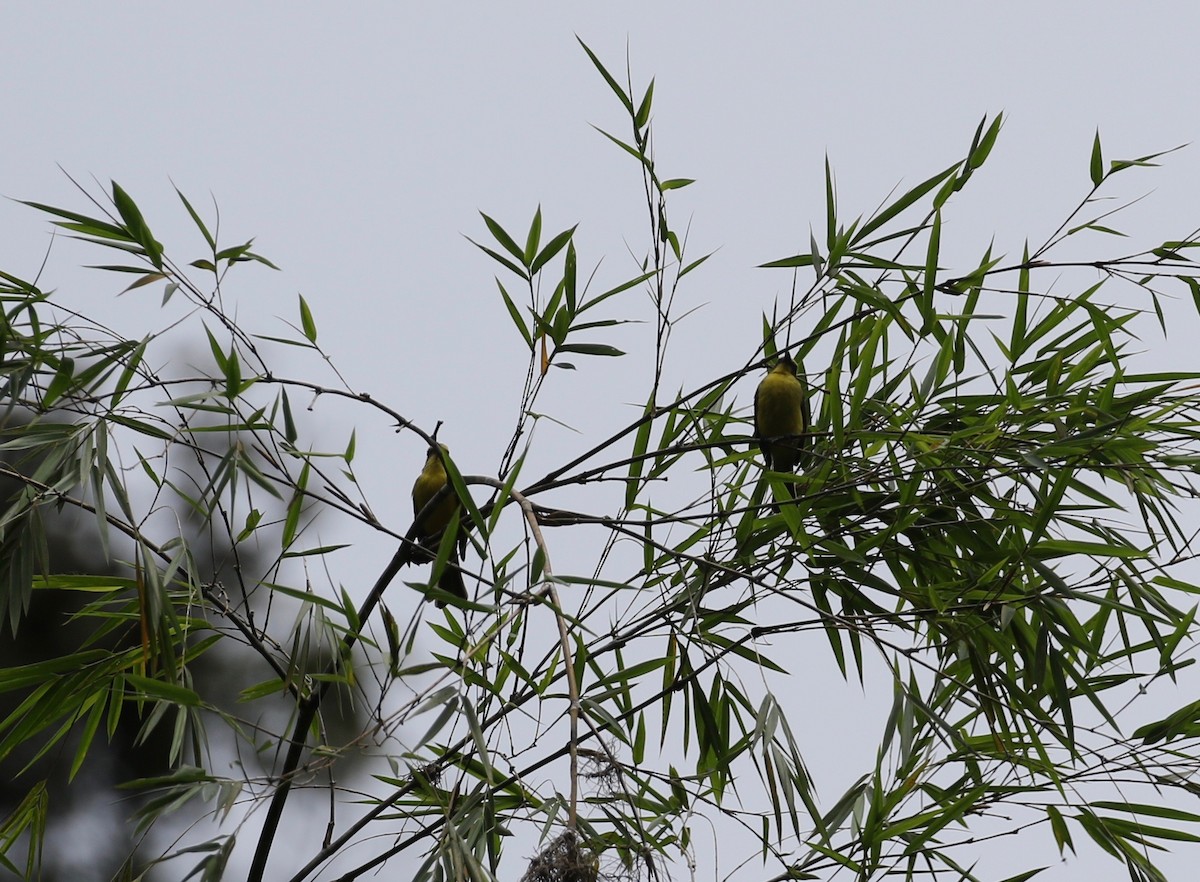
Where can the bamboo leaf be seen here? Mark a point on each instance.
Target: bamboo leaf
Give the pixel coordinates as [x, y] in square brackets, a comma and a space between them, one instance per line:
[307, 325]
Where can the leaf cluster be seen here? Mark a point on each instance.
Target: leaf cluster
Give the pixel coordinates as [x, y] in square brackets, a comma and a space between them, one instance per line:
[993, 519]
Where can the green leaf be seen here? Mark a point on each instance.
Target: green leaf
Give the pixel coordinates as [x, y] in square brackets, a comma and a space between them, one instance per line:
[392, 632]
[258, 258]
[1097, 163]
[273, 686]
[140, 427]
[624, 286]
[87, 733]
[171, 692]
[1154, 811]
[981, 147]
[132, 363]
[289, 422]
[1051, 548]
[26, 824]
[591, 349]
[830, 208]
[608, 78]
[60, 383]
[925, 303]
[136, 225]
[146, 279]
[695, 263]
[953, 185]
[569, 275]
[506, 241]
[636, 462]
[253, 518]
[1058, 826]
[208, 237]
[233, 375]
[632, 151]
[217, 351]
[796, 260]
[87, 584]
[295, 506]
[532, 240]
[515, 315]
[307, 596]
[307, 324]
[642, 117]
[464, 496]
[501, 259]
[319, 551]
[84, 224]
[901, 204]
[552, 248]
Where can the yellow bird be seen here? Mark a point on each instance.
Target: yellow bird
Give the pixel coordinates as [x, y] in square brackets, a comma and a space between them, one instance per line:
[429, 482]
[781, 416]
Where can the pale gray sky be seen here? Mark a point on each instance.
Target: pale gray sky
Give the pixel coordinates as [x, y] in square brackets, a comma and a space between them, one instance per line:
[358, 146]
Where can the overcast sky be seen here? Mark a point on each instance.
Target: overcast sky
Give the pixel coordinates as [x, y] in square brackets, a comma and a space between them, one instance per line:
[360, 146]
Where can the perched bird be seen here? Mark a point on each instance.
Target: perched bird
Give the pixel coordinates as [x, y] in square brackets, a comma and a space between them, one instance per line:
[429, 482]
[781, 416]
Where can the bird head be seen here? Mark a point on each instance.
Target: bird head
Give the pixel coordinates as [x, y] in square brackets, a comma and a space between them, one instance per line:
[785, 364]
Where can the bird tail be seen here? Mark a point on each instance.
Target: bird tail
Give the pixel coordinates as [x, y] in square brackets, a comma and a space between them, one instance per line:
[451, 580]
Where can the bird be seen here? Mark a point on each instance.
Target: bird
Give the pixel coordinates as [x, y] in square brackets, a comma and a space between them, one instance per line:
[781, 416]
[429, 531]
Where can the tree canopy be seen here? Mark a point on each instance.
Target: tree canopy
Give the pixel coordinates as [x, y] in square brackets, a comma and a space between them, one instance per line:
[993, 517]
